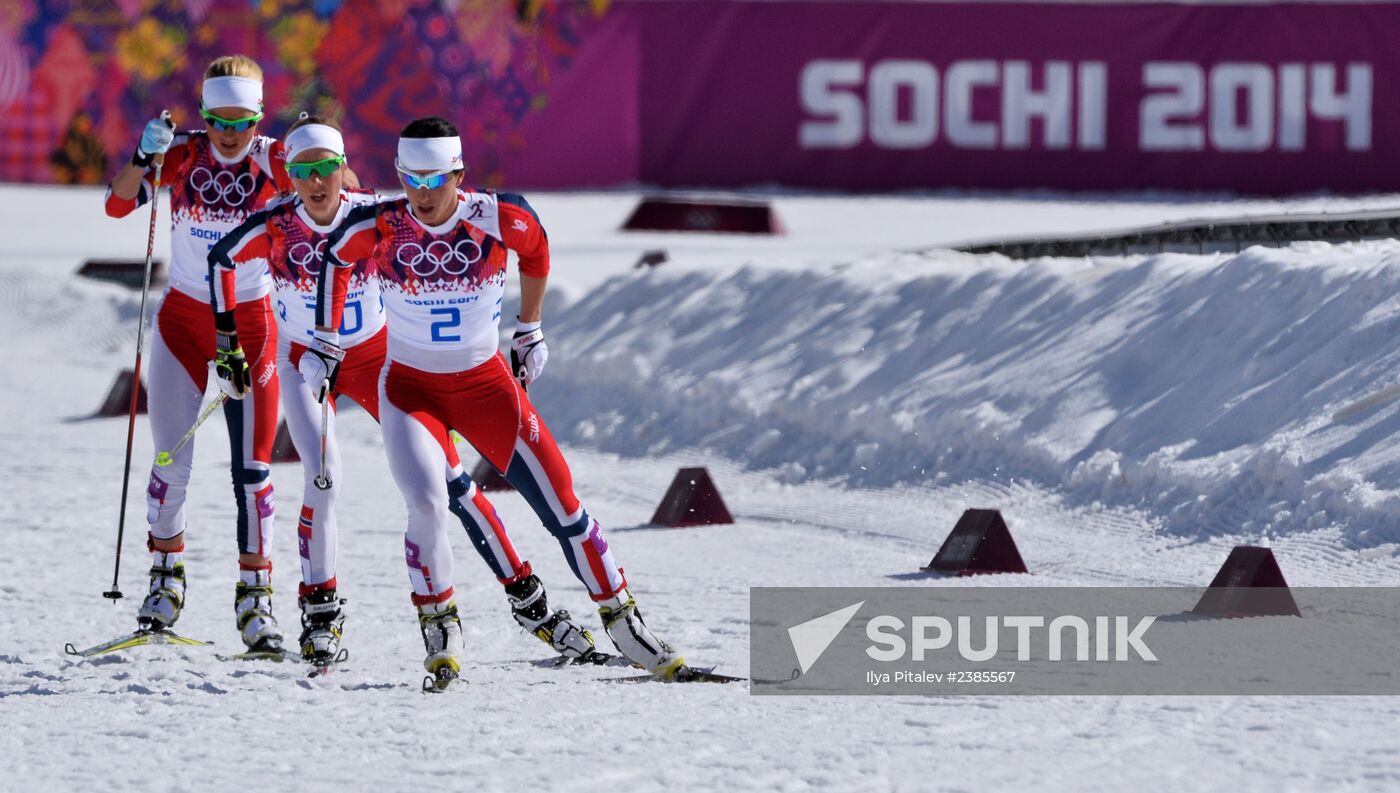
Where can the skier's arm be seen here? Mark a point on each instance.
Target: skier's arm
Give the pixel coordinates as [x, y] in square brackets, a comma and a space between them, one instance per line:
[351, 241]
[532, 291]
[522, 232]
[125, 192]
[133, 185]
[245, 243]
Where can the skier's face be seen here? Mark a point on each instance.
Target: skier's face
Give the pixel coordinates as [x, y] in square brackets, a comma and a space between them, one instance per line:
[432, 206]
[230, 142]
[319, 191]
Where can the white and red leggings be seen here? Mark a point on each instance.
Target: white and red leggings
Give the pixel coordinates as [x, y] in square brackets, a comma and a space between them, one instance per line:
[182, 346]
[488, 407]
[317, 528]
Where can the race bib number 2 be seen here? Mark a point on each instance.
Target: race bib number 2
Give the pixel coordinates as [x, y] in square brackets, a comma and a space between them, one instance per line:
[448, 321]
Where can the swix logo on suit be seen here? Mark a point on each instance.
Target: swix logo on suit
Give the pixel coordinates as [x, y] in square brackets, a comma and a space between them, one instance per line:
[442, 287]
[208, 199]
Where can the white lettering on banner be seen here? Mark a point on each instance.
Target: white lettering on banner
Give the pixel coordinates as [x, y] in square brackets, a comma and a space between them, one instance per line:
[886, 128]
[963, 131]
[1272, 113]
[1255, 131]
[1093, 105]
[1156, 131]
[1063, 105]
[831, 93]
[1292, 106]
[821, 97]
[1353, 108]
[1019, 103]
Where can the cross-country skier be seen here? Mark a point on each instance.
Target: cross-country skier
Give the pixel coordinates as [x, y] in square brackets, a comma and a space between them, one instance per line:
[290, 234]
[440, 256]
[217, 177]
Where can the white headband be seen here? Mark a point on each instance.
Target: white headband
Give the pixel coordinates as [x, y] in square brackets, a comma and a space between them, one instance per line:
[430, 154]
[244, 92]
[314, 136]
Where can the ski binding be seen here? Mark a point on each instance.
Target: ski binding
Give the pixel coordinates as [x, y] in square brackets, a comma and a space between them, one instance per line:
[438, 682]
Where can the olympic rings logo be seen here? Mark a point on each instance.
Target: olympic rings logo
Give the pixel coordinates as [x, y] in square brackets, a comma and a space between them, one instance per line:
[439, 255]
[305, 255]
[222, 186]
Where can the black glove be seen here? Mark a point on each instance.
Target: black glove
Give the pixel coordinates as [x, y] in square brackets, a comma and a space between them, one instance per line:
[231, 367]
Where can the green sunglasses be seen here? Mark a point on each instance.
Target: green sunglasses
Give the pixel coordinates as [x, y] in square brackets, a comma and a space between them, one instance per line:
[322, 168]
[235, 124]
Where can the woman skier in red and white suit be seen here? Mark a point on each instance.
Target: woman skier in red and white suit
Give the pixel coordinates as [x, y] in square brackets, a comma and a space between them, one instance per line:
[439, 254]
[217, 177]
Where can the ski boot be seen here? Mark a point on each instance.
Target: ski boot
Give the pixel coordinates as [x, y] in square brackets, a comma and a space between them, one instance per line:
[530, 607]
[162, 605]
[442, 638]
[252, 604]
[321, 623]
[635, 640]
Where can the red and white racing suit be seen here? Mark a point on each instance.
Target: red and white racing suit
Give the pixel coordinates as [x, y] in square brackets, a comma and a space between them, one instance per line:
[293, 243]
[209, 196]
[442, 288]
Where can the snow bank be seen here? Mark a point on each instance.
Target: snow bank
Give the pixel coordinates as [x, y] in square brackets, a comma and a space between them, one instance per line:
[1198, 387]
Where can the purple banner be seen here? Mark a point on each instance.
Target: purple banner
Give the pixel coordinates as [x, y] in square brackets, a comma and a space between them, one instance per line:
[905, 95]
[726, 93]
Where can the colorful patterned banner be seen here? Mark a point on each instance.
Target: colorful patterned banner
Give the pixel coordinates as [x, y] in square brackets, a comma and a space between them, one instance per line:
[79, 78]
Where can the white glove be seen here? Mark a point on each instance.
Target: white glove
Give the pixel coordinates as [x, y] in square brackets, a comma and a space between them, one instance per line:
[155, 139]
[321, 362]
[528, 352]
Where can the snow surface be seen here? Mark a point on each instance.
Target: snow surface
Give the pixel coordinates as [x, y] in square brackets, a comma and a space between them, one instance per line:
[1133, 418]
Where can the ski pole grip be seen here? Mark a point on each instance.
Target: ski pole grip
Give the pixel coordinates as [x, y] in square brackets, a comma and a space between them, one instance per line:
[169, 122]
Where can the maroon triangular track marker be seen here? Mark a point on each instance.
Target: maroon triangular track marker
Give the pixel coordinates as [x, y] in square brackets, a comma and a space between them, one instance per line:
[488, 478]
[692, 500]
[979, 543]
[118, 400]
[1249, 584]
[283, 450]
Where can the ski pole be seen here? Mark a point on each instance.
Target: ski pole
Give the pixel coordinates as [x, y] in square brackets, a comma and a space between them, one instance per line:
[115, 593]
[323, 480]
[164, 459]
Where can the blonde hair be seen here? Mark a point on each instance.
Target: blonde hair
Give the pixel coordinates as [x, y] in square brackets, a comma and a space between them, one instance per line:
[234, 66]
[307, 118]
